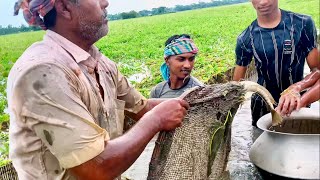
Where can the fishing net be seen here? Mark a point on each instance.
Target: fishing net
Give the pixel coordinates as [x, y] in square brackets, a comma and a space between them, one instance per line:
[8, 172]
[199, 148]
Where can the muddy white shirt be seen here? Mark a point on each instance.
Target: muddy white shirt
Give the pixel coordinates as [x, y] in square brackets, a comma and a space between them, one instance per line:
[58, 118]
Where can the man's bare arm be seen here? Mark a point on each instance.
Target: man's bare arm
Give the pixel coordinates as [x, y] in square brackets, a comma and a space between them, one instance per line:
[151, 103]
[239, 72]
[312, 95]
[121, 152]
[313, 59]
[291, 101]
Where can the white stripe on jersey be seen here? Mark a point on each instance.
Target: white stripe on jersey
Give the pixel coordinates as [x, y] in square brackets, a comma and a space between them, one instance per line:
[293, 49]
[284, 28]
[275, 45]
[265, 54]
[254, 50]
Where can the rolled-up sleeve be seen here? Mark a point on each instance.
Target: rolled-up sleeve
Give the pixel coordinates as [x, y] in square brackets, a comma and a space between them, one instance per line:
[309, 35]
[135, 101]
[50, 105]
[243, 54]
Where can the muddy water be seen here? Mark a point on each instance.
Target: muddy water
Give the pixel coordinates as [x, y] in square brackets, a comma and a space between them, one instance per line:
[243, 135]
[298, 126]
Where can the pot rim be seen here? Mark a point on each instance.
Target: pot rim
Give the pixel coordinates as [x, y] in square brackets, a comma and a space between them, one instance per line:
[265, 121]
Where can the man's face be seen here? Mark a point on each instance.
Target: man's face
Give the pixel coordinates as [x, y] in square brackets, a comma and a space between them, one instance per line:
[92, 18]
[180, 66]
[265, 7]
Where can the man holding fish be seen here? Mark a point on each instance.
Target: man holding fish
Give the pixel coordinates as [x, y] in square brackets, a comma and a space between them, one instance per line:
[280, 42]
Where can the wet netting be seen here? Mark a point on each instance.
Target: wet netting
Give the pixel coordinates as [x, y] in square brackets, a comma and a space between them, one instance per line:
[199, 149]
[8, 172]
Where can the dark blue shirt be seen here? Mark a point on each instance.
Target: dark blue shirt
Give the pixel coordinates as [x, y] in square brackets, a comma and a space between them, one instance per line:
[279, 52]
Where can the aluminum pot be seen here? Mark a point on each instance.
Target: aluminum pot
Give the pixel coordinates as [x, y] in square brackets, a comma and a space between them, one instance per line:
[290, 153]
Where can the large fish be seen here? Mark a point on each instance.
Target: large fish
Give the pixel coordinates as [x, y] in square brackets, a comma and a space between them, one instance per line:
[199, 149]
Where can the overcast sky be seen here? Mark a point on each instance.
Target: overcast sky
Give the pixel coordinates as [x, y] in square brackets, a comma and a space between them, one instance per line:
[116, 6]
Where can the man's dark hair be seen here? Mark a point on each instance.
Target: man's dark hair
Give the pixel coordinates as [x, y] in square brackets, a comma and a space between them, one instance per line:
[174, 37]
[50, 18]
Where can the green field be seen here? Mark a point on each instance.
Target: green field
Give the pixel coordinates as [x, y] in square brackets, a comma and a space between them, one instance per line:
[137, 44]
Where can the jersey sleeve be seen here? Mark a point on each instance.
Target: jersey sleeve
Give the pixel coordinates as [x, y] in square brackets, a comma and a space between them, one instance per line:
[243, 53]
[309, 35]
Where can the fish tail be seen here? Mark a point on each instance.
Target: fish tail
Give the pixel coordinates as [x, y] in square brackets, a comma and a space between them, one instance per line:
[276, 118]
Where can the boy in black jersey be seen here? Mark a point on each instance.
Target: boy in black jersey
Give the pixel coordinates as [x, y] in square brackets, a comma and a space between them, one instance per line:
[280, 42]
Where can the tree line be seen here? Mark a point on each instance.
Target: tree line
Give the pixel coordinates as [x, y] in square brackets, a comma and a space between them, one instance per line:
[133, 14]
[23, 28]
[177, 8]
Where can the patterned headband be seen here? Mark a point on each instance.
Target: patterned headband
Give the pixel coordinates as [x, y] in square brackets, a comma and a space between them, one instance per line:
[180, 46]
[33, 9]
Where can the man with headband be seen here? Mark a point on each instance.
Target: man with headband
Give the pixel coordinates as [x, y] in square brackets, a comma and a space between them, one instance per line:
[67, 100]
[179, 55]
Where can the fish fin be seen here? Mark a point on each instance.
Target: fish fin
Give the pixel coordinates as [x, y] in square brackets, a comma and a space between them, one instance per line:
[276, 118]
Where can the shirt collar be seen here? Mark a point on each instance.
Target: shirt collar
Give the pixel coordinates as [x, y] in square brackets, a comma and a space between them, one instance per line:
[78, 54]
